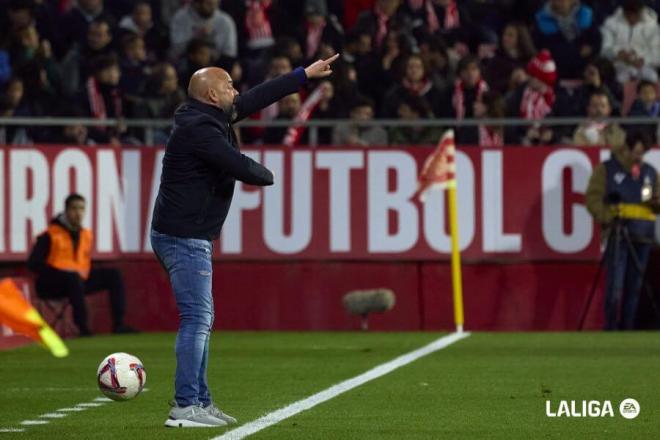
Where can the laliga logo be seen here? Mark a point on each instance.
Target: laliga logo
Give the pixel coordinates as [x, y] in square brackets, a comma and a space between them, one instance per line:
[629, 409]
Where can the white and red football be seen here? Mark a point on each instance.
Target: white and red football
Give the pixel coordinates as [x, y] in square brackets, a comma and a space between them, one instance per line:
[121, 376]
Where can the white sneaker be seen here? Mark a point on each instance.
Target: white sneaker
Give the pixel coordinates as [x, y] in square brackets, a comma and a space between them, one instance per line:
[216, 412]
[193, 416]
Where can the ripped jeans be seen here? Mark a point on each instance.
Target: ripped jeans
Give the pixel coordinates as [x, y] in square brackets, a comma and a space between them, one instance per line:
[188, 264]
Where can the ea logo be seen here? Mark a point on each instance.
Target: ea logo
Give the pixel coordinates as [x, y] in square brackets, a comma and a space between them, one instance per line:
[629, 408]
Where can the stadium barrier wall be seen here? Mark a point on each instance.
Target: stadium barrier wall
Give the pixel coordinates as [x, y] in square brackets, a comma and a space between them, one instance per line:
[338, 219]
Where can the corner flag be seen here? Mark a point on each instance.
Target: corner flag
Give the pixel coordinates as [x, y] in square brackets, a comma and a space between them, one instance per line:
[440, 172]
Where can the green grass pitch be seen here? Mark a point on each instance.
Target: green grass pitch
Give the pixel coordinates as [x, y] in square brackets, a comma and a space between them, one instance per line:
[490, 385]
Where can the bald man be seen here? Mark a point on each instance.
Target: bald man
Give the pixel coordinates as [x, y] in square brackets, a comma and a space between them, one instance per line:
[201, 165]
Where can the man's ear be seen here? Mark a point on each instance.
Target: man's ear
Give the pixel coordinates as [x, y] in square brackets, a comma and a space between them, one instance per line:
[213, 95]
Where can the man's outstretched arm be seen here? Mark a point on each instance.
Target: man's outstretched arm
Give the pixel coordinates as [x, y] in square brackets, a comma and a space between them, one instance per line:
[268, 92]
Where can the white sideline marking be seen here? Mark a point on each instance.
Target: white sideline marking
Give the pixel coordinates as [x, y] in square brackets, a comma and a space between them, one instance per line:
[335, 390]
[89, 405]
[12, 430]
[73, 409]
[53, 415]
[102, 399]
[35, 422]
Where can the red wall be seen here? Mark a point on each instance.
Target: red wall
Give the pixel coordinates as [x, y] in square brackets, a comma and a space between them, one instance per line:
[307, 296]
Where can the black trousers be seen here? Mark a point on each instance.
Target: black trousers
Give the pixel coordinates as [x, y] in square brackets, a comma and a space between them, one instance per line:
[53, 284]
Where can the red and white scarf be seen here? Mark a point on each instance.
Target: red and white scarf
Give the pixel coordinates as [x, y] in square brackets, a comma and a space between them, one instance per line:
[418, 89]
[458, 99]
[535, 104]
[97, 103]
[382, 20]
[452, 16]
[314, 34]
[257, 23]
[490, 137]
[296, 130]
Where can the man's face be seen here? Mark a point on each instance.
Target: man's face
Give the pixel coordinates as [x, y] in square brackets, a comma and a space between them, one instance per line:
[648, 94]
[142, 15]
[389, 7]
[201, 57]
[415, 69]
[109, 76]
[205, 8]
[75, 213]
[222, 92]
[471, 75]
[137, 51]
[632, 17]
[91, 6]
[98, 36]
[599, 107]
[170, 81]
[562, 7]
[637, 153]
[289, 105]
[279, 66]
[362, 113]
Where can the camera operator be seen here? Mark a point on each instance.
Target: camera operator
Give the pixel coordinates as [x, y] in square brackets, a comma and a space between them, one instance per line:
[623, 196]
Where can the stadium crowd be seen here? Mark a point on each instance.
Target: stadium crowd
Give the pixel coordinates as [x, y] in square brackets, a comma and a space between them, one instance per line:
[407, 59]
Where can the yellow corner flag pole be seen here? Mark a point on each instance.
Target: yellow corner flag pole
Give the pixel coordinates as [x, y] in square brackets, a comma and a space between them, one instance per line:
[456, 276]
[440, 172]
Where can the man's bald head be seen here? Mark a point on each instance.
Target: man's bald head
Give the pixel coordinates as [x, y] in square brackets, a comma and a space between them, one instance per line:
[213, 86]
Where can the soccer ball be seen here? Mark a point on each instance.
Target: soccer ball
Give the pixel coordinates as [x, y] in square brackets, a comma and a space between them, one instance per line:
[121, 376]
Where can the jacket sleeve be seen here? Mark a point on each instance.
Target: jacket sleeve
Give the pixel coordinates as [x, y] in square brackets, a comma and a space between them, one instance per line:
[216, 151]
[595, 197]
[608, 46]
[266, 93]
[37, 259]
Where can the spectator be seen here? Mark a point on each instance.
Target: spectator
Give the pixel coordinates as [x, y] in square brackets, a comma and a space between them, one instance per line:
[384, 18]
[436, 57]
[415, 82]
[134, 67]
[631, 39]
[28, 47]
[161, 98]
[320, 28]
[412, 109]
[77, 64]
[647, 104]
[506, 70]
[567, 29]
[448, 19]
[354, 133]
[534, 100]
[23, 13]
[202, 19]
[326, 108]
[289, 106]
[140, 22]
[74, 24]
[595, 131]
[491, 106]
[468, 89]
[12, 103]
[254, 24]
[103, 98]
[198, 56]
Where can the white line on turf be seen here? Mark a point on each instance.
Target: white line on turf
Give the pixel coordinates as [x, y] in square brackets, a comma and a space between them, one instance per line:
[12, 430]
[89, 404]
[73, 409]
[35, 422]
[340, 388]
[102, 399]
[53, 415]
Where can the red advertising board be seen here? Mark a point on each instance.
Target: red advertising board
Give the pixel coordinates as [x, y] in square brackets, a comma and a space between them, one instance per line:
[515, 204]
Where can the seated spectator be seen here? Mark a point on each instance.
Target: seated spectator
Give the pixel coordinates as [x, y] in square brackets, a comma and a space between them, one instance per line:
[140, 22]
[353, 133]
[414, 108]
[12, 103]
[288, 108]
[436, 58]
[506, 70]
[595, 131]
[198, 55]
[254, 24]
[162, 96]
[568, 30]
[103, 98]
[77, 65]
[134, 66]
[469, 88]
[62, 260]
[415, 82]
[491, 106]
[74, 24]
[29, 48]
[202, 19]
[320, 28]
[449, 19]
[631, 39]
[647, 104]
[534, 100]
[326, 108]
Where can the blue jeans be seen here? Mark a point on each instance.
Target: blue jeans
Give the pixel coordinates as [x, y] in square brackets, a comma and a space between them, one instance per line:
[188, 264]
[624, 283]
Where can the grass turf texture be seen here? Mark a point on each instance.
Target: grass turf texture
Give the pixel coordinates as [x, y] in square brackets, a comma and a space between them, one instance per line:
[487, 386]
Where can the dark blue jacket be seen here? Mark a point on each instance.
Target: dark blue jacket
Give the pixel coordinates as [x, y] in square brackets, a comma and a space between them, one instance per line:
[202, 162]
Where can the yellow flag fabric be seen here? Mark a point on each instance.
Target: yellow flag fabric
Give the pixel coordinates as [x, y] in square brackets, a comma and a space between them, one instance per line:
[19, 315]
